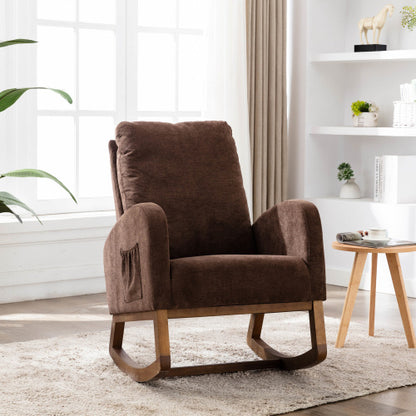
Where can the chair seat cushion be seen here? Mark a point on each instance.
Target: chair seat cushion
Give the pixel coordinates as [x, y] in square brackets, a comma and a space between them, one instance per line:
[222, 280]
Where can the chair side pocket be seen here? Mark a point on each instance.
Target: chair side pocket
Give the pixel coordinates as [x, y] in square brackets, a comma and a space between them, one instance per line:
[132, 280]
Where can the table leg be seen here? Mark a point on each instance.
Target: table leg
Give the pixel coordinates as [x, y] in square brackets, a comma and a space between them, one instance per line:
[398, 283]
[357, 271]
[373, 294]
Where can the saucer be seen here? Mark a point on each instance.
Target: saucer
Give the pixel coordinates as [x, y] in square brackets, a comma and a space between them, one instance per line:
[381, 240]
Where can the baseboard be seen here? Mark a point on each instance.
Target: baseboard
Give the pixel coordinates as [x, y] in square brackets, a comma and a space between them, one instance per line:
[51, 290]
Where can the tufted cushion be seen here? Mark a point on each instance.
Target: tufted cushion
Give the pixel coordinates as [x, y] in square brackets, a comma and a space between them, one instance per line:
[238, 280]
[192, 171]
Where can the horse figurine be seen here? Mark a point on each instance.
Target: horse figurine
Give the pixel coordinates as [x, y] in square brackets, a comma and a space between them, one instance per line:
[374, 23]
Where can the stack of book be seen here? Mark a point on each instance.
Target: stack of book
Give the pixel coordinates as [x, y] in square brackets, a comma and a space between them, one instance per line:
[394, 179]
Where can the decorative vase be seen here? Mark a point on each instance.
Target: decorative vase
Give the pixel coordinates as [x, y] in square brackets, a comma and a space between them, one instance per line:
[365, 120]
[350, 189]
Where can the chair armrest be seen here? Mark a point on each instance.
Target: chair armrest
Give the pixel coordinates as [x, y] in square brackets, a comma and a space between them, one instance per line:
[136, 261]
[294, 228]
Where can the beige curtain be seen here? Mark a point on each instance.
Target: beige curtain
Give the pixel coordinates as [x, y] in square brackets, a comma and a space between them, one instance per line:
[266, 77]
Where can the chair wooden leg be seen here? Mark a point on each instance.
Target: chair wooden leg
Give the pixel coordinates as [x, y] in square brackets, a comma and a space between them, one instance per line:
[161, 367]
[129, 366]
[308, 359]
[162, 339]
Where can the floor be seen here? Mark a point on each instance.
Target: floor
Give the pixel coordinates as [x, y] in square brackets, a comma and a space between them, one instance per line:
[64, 316]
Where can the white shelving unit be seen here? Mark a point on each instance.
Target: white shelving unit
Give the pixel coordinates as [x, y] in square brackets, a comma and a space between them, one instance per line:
[336, 77]
[352, 57]
[363, 131]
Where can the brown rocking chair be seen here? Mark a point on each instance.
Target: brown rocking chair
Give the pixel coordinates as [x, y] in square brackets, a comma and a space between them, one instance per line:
[183, 246]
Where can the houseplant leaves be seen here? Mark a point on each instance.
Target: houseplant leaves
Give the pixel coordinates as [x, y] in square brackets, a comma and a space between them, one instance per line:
[36, 173]
[15, 42]
[7, 98]
[10, 96]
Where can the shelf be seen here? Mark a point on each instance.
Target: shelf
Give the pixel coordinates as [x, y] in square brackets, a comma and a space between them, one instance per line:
[351, 57]
[365, 201]
[364, 131]
[338, 199]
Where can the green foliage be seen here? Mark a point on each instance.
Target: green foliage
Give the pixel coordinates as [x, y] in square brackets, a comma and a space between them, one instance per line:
[15, 42]
[7, 99]
[359, 107]
[345, 172]
[36, 173]
[10, 96]
[408, 17]
[9, 199]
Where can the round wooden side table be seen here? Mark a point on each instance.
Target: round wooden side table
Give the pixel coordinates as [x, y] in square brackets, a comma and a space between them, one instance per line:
[392, 255]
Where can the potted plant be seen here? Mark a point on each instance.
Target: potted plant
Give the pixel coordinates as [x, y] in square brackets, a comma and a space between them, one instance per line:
[364, 114]
[408, 17]
[7, 99]
[349, 189]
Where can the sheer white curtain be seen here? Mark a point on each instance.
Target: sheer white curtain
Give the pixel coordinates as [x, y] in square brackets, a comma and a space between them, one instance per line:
[227, 77]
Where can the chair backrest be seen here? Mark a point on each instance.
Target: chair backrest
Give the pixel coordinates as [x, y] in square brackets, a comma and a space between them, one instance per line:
[192, 171]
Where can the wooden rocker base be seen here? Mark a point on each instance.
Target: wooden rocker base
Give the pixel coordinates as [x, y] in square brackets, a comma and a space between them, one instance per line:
[271, 358]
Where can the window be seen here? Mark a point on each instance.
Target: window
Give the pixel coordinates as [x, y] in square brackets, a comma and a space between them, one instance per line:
[76, 52]
[119, 60]
[170, 54]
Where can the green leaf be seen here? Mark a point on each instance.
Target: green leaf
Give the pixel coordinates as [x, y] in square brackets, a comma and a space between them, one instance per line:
[9, 199]
[36, 173]
[15, 42]
[5, 208]
[10, 96]
[5, 92]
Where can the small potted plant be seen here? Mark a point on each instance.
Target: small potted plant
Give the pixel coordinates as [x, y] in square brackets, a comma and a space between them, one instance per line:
[364, 114]
[350, 189]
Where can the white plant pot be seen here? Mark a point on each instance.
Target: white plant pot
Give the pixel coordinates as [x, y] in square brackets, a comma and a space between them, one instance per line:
[365, 120]
[350, 190]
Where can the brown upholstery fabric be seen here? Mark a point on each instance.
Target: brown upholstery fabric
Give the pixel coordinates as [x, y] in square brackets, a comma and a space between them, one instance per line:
[238, 280]
[294, 228]
[112, 147]
[142, 284]
[192, 171]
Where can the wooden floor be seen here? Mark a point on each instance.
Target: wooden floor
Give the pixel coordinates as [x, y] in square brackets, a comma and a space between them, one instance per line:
[64, 316]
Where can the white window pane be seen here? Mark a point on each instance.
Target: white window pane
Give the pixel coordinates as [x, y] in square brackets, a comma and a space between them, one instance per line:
[191, 72]
[97, 69]
[56, 155]
[97, 11]
[189, 118]
[166, 119]
[55, 65]
[94, 160]
[57, 10]
[192, 14]
[156, 72]
[159, 13]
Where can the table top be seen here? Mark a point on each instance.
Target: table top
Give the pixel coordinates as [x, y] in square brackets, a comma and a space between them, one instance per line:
[360, 249]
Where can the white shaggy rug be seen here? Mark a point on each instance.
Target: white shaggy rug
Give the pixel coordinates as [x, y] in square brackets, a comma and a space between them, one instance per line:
[76, 376]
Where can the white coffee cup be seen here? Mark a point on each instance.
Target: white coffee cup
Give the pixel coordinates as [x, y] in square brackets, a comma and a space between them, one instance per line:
[376, 233]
